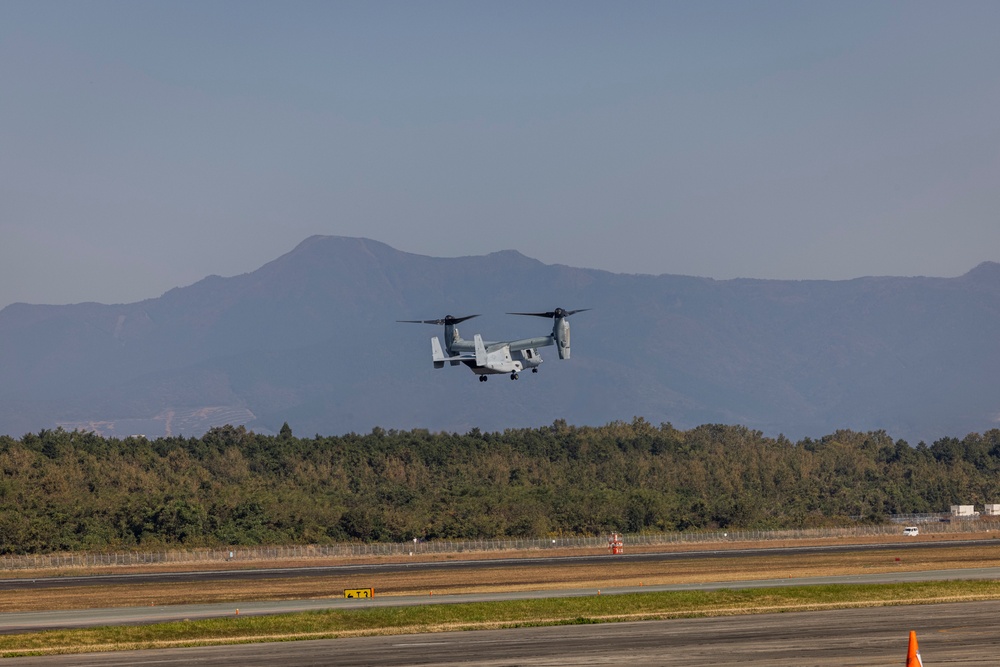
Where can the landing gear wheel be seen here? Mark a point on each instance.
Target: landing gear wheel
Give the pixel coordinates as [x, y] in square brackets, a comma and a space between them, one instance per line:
[483, 378]
[513, 376]
[534, 370]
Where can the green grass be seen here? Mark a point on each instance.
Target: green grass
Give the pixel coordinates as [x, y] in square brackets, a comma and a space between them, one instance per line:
[514, 613]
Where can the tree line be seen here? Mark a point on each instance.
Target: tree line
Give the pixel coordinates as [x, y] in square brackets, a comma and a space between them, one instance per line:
[65, 491]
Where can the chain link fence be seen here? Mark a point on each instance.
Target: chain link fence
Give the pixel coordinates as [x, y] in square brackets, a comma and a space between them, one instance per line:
[927, 523]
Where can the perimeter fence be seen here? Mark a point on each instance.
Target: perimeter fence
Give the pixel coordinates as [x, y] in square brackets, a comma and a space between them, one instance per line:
[928, 524]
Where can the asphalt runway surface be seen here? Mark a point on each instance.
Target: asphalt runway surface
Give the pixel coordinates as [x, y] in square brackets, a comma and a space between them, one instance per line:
[957, 635]
[490, 563]
[703, 642]
[34, 621]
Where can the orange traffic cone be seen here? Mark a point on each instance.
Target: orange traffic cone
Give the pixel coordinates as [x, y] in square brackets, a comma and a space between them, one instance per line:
[913, 653]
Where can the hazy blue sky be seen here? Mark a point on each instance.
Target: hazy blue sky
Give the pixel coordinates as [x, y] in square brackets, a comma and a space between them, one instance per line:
[145, 145]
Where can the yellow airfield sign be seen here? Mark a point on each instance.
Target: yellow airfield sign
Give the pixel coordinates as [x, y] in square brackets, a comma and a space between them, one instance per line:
[359, 592]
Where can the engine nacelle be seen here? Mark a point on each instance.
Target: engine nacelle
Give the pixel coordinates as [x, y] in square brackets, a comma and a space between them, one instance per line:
[560, 331]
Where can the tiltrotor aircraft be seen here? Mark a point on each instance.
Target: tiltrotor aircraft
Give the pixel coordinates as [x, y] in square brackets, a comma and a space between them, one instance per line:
[485, 358]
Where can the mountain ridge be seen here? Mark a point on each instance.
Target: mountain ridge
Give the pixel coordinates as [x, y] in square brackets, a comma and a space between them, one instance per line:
[311, 338]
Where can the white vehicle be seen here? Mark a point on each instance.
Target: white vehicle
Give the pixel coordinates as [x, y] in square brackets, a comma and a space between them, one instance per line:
[911, 531]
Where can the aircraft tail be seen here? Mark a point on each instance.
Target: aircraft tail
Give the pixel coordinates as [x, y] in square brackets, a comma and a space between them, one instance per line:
[480, 351]
[437, 354]
[913, 652]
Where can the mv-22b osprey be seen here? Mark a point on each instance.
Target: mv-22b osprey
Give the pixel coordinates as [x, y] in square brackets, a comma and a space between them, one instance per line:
[487, 358]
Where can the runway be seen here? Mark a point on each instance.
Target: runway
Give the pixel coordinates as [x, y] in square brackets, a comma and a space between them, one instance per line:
[25, 583]
[957, 635]
[851, 637]
[16, 622]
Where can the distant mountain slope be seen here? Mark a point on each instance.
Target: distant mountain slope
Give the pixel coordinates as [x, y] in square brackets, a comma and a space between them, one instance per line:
[311, 338]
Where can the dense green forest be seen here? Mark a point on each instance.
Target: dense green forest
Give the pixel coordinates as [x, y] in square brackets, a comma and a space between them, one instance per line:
[64, 490]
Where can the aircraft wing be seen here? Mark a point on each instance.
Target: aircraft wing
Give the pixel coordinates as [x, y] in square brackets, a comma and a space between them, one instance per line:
[530, 343]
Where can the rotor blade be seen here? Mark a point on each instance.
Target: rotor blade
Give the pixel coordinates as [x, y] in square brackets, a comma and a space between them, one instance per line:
[549, 314]
[558, 312]
[447, 319]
